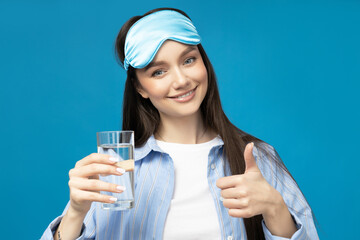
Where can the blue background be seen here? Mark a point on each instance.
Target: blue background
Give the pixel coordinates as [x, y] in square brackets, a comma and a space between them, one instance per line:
[288, 73]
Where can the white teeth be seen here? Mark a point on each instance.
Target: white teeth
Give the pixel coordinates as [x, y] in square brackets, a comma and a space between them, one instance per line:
[185, 95]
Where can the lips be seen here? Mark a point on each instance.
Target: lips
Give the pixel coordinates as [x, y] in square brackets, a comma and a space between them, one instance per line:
[183, 95]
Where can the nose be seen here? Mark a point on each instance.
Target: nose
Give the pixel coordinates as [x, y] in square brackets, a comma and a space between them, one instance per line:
[181, 80]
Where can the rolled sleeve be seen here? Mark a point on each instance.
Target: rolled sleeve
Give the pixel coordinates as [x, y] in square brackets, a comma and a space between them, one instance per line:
[87, 230]
[298, 235]
[50, 231]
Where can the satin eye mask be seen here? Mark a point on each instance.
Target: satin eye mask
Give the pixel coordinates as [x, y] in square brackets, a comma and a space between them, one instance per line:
[146, 36]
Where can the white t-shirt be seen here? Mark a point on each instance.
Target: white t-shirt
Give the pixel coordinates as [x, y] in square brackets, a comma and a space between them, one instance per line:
[192, 213]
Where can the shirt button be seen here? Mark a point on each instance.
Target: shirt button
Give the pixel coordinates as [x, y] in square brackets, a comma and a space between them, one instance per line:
[212, 166]
[222, 199]
[230, 238]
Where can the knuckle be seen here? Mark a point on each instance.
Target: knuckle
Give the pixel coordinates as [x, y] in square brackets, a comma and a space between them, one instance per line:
[74, 196]
[92, 156]
[77, 165]
[71, 173]
[244, 192]
[93, 196]
[239, 180]
[112, 187]
[238, 194]
[93, 167]
[241, 193]
[247, 213]
[71, 183]
[94, 184]
[104, 198]
[246, 202]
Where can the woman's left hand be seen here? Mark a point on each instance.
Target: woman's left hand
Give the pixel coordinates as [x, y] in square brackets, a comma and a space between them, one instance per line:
[249, 194]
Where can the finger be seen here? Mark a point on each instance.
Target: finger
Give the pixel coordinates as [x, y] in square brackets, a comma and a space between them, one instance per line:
[82, 196]
[250, 159]
[233, 193]
[241, 213]
[95, 169]
[95, 185]
[128, 165]
[97, 158]
[236, 203]
[229, 182]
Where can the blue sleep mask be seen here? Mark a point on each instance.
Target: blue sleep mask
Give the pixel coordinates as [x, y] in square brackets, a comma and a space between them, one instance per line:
[146, 36]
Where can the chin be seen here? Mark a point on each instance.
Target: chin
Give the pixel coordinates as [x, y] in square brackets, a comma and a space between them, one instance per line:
[185, 113]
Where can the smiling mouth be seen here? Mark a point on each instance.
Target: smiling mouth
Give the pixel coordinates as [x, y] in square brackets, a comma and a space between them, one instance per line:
[185, 95]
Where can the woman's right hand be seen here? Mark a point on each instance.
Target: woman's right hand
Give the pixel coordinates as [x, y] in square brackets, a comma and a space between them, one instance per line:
[85, 185]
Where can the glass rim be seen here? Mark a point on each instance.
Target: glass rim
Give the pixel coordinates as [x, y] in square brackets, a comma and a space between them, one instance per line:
[118, 131]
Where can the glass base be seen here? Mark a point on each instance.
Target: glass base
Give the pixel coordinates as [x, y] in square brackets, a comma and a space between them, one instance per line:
[119, 205]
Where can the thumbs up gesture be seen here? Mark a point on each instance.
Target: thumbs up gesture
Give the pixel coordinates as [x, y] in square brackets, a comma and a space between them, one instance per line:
[249, 194]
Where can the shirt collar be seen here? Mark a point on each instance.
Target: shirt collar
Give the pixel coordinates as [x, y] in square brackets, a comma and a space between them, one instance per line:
[150, 145]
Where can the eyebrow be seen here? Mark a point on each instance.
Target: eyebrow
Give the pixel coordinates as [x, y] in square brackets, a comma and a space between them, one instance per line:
[154, 64]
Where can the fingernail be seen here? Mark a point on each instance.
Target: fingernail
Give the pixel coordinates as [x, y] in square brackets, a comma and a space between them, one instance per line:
[121, 188]
[121, 170]
[113, 199]
[252, 144]
[113, 159]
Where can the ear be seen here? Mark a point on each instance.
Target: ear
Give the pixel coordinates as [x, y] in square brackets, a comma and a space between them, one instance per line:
[142, 92]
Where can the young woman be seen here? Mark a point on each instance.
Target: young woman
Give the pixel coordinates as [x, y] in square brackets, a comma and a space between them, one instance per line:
[197, 175]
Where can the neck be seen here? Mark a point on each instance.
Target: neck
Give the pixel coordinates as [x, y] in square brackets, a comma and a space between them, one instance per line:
[186, 130]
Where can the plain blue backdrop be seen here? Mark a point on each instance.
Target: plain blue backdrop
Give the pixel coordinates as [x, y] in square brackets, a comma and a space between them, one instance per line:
[288, 73]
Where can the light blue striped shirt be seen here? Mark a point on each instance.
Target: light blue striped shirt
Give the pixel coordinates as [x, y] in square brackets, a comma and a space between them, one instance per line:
[154, 186]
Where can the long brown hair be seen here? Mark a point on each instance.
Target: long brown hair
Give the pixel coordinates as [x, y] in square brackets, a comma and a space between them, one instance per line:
[140, 115]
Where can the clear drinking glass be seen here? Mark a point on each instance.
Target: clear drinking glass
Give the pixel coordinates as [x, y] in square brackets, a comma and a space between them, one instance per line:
[119, 144]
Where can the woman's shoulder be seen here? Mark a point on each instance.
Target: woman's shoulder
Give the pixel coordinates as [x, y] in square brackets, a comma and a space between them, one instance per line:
[271, 165]
[264, 149]
[266, 156]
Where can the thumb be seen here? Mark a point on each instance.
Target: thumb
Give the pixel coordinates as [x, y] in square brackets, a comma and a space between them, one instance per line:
[250, 164]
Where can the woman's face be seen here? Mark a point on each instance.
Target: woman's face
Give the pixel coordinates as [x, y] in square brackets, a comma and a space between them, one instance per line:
[175, 81]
